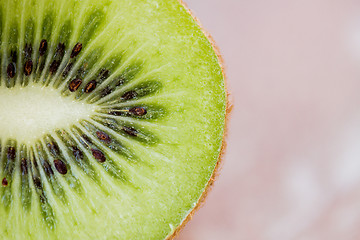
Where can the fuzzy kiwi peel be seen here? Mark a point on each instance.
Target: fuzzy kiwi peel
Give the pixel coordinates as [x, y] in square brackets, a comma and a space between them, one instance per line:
[122, 107]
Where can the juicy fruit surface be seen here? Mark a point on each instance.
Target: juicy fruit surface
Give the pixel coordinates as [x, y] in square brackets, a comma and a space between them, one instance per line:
[120, 110]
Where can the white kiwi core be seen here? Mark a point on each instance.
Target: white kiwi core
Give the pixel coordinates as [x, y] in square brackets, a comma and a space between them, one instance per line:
[28, 113]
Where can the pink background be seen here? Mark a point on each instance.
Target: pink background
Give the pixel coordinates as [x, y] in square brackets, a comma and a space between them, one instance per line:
[292, 168]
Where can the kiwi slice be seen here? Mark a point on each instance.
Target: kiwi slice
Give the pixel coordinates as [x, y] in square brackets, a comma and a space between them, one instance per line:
[112, 118]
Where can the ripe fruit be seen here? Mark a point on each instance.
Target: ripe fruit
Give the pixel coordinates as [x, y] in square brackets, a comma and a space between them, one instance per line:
[112, 117]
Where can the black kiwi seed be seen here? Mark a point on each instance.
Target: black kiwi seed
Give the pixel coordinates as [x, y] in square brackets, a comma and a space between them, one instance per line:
[37, 182]
[90, 86]
[77, 153]
[103, 137]
[60, 166]
[67, 69]
[106, 91]
[11, 70]
[138, 111]
[54, 148]
[98, 155]
[35, 163]
[24, 169]
[43, 47]
[47, 168]
[60, 50]
[130, 131]
[28, 66]
[11, 154]
[75, 84]
[54, 66]
[129, 95]
[76, 50]
[86, 138]
[104, 73]
[5, 182]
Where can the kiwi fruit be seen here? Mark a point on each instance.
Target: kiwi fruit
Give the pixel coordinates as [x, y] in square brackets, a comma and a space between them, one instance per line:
[112, 117]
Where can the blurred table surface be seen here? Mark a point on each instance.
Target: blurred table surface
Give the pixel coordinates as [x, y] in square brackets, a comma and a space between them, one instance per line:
[292, 168]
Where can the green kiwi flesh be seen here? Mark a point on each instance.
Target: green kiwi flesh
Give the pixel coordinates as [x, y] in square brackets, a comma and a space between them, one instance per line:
[112, 118]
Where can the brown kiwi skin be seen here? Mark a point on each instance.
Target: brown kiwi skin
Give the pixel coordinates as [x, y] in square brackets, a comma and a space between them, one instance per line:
[220, 161]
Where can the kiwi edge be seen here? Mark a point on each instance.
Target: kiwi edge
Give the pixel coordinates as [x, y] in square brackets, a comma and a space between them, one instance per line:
[229, 107]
